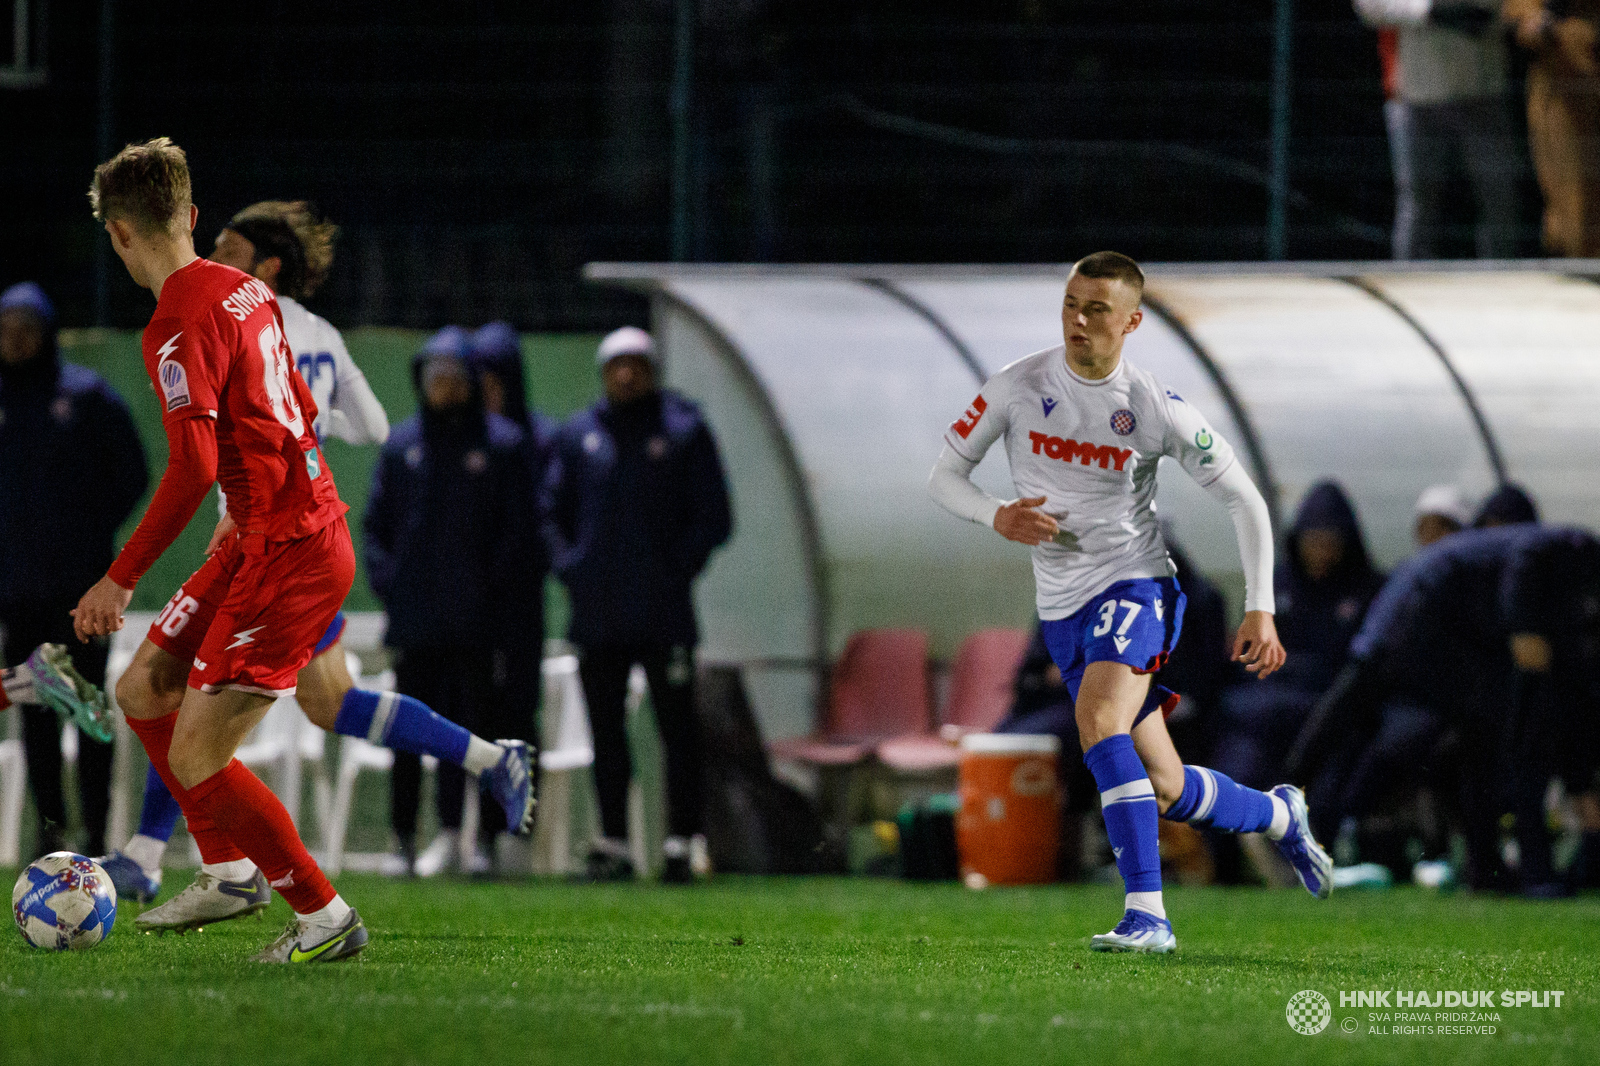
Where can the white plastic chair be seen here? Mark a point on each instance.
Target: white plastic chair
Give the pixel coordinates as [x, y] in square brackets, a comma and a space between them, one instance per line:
[566, 752]
[127, 761]
[13, 779]
[355, 755]
[287, 744]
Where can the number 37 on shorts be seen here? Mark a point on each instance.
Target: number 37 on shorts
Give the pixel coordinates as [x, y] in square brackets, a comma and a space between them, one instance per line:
[1136, 622]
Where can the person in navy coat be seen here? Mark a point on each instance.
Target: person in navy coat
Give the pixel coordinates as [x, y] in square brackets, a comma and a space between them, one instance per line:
[638, 503]
[452, 546]
[71, 471]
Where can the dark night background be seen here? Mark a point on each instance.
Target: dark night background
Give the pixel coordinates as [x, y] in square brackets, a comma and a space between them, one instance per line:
[477, 154]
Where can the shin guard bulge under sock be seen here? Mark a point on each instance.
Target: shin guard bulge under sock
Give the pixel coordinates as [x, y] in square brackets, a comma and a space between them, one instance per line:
[156, 736]
[402, 723]
[1213, 800]
[1128, 803]
[245, 809]
[158, 815]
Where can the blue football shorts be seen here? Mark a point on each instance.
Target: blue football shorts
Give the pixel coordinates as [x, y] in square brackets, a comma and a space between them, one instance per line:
[334, 631]
[1135, 622]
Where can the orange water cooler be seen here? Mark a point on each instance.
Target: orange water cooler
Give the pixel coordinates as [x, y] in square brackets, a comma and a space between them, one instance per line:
[1009, 828]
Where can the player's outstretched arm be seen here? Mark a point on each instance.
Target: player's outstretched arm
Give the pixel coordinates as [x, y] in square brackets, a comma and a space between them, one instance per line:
[1256, 644]
[191, 470]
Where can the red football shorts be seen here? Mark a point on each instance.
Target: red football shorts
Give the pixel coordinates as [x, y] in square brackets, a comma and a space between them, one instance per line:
[251, 616]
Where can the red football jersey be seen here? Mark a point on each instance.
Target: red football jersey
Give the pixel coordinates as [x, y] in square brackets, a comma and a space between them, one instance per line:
[215, 349]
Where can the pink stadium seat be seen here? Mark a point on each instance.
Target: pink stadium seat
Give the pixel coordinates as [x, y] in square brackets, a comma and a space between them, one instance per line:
[983, 676]
[981, 679]
[878, 689]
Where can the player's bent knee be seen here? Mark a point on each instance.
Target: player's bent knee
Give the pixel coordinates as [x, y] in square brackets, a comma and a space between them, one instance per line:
[153, 685]
[1096, 722]
[133, 694]
[188, 763]
[142, 693]
[321, 706]
[1167, 790]
[322, 685]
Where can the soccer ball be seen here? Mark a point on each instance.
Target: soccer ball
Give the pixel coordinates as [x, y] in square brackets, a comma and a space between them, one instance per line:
[64, 901]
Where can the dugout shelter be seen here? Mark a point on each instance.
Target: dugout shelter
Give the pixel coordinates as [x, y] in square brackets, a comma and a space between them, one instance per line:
[829, 388]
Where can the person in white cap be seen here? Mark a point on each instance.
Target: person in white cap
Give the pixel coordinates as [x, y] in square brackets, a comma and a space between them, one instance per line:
[638, 503]
[1441, 510]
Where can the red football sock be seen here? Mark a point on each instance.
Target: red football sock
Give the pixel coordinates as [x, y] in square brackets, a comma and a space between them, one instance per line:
[156, 736]
[249, 813]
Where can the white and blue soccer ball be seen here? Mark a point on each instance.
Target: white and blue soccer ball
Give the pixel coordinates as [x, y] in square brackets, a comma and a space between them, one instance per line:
[64, 902]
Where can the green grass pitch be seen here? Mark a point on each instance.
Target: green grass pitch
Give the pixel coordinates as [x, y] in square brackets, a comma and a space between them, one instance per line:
[809, 971]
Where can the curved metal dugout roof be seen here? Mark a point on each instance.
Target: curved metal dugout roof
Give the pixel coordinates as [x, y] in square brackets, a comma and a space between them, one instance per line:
[829, 388]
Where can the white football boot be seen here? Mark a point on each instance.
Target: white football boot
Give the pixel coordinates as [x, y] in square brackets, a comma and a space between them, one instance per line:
[1138, 931]
[299, 943]
[206, 901]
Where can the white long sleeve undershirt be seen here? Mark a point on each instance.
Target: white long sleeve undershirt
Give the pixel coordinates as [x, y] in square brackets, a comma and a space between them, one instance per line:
[950, 485]
[1252, 524]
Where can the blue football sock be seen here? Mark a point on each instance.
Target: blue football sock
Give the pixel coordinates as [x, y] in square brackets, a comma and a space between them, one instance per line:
[159, 815]
[1212, 800]
[1128, 803]
[401, 723]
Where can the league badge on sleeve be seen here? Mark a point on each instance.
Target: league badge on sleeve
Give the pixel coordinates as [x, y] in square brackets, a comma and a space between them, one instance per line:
[174, 379]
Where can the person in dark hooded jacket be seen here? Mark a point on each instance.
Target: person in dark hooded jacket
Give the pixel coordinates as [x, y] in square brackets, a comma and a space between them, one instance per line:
[1324, 584]
[449, 532]
[71, 471]
[638, 503]
[1508, 505]
[1492, 635]
[496, 354]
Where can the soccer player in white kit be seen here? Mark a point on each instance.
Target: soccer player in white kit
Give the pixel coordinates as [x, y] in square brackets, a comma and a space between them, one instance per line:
[1084, 431]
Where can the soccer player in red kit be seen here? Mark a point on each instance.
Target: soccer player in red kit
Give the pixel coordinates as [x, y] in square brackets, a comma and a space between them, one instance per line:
[235, 412]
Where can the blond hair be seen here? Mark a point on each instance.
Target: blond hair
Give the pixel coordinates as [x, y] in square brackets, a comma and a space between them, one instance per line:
[146, 184]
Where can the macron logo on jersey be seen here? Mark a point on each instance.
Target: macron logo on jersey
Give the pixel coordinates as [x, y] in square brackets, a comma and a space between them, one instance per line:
[1067, 450]
[174, 379]
[969, 421]
[1048, 403]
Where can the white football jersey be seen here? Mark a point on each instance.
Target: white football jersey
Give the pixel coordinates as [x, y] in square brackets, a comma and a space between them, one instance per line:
[1090, 448]
[346, 406]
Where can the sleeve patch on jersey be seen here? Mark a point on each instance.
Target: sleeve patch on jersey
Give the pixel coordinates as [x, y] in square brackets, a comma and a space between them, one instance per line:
[174, 383]
[969, 421]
